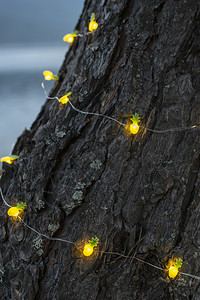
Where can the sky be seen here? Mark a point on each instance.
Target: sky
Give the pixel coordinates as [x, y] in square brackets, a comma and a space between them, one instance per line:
[33, 21]
[31, 41]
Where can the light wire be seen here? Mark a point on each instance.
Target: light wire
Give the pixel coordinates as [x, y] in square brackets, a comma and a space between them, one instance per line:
[4, 200]
[46, 236]
[95, 114]
[120, 123]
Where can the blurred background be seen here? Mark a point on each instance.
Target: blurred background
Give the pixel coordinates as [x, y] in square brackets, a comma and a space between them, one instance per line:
[31, 35]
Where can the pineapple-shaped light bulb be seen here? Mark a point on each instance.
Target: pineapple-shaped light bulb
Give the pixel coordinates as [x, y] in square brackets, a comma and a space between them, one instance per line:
[134, 127]
[48, 75]
[9, 159]
[69, 38]
[64, 99]
[93, 24]
[16, 211]
[89, 247]
[173, 267]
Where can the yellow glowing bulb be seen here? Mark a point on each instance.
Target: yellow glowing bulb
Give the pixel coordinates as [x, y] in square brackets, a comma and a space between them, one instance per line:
[134, 128]
[64, 99]
[48, 75]
[13, 211]
[173, 271]
[69, 38]
[9, 159]
[88, 250]
[93, 25]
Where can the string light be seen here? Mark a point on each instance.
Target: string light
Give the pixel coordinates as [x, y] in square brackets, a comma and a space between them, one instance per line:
[9, 159]
[93, 24]
[94, 243]
[174, 265]
[69, 38]
[78, 110]
[120, 123]
[48, 75]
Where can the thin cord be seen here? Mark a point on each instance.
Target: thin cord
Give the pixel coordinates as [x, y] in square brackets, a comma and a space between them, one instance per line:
[138, 259]
[123, 124]
[83, 34]
[190, 275]
[95, 114]
[2, 196]
[46, 236]
[147, 263]
[170, 130]
[81, 111]
[42, 84]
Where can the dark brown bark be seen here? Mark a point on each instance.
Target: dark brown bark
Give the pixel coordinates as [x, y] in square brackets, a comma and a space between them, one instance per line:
[94, 180]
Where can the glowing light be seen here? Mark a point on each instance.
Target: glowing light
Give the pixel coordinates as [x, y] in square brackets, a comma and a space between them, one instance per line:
[93, 24]
[9, 159]
[173, 272]
[64, 99]
[16, 211]
[88, 249]
[48, 75]
[134, 127]
[13, 211]
[173, 266]
[70, 37]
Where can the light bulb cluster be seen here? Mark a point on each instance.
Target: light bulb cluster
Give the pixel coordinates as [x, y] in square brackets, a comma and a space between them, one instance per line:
[69, 38]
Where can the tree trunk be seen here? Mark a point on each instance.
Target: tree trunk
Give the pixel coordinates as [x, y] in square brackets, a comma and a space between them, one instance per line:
[85, 176]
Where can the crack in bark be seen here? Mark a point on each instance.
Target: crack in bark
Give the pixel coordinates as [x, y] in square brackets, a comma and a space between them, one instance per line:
[189, 197]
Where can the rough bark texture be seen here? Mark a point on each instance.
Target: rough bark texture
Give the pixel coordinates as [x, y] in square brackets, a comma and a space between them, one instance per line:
[82, 176]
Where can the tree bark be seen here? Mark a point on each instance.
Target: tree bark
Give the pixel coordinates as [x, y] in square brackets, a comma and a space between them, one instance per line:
[84, 176]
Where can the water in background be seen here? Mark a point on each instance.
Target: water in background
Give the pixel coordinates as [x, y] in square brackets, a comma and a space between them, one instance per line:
[21, 94]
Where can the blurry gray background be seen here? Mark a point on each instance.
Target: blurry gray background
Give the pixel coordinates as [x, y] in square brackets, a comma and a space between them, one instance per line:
[31, 33]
